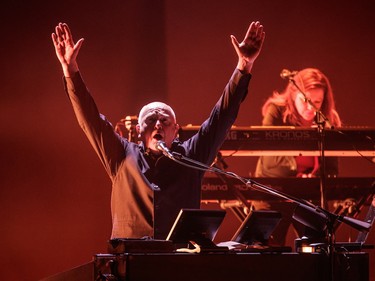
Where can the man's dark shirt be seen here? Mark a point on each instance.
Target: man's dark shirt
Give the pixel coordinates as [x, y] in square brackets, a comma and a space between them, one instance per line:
[147, 194]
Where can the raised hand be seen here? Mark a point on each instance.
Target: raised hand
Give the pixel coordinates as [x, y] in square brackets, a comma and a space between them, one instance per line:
[65, 48]
[249, 49]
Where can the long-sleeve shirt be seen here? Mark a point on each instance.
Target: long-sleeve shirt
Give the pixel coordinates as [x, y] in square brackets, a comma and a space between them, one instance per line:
[147, 195]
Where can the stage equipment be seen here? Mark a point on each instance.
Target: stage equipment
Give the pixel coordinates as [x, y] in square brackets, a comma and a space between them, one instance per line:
[197, 228]
[293, 141]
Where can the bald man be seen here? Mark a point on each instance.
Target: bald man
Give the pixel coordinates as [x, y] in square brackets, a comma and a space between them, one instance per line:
[149, 189]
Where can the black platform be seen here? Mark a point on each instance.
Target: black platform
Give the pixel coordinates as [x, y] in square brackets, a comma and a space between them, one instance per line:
[218, 267]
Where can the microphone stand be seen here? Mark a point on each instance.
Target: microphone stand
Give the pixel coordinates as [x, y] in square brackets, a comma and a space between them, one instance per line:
[321, 120]
[319, 212]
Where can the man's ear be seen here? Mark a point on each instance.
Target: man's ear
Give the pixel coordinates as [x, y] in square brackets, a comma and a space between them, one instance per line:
[177, 128]
[138, 129]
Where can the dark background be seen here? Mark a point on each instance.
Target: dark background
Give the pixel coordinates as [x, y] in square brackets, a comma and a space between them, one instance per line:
[54, 193]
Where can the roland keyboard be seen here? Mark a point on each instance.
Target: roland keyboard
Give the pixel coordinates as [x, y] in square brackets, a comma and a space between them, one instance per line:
[217, 189]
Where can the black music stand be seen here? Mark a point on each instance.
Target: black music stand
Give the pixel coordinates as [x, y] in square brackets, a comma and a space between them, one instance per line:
[257, 227]
[198, 228]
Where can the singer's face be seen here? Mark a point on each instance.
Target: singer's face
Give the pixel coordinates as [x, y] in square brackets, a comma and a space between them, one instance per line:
[157, 122]
[305, 110]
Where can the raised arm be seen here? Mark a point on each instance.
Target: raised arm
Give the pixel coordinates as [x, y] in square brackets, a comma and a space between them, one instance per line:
[249, 49]
[66, 50]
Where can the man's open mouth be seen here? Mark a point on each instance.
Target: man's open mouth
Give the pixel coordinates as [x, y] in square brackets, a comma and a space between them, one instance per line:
[158, 137]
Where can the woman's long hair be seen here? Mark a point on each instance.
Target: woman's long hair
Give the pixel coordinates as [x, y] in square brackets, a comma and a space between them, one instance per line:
[306, 79]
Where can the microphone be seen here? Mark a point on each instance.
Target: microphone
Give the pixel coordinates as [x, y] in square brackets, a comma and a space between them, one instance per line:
[287, 74]
[160, 145]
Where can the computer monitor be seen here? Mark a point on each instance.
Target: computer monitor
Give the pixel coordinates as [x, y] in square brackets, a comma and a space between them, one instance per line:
[257, 227]
[199, 226]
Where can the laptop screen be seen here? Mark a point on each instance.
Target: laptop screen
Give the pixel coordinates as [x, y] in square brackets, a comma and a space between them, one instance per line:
[257, 227]
[196, 225]
[370, 218]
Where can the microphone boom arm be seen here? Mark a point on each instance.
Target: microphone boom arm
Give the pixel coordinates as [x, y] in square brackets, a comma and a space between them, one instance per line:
[331, 217]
